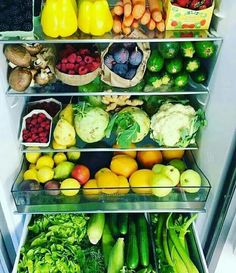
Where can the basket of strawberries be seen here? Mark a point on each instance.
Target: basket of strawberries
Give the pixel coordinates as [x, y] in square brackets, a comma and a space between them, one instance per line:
[78, 66]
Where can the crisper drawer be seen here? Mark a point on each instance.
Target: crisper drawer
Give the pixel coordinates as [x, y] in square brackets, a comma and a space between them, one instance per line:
[194, 246]
[139, 198]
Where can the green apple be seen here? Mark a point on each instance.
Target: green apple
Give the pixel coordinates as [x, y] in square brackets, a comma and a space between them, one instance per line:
[158, 168]
[179, 164]
[172, 173]
[163, 185]
[191, 181]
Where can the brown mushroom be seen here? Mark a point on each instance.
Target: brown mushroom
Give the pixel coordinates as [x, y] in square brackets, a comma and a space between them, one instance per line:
[17, 55]
[20, 78]
[42, 77]
[33, 49]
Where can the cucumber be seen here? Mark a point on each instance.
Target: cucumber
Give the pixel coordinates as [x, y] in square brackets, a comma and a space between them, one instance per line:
[107, 243]
[132, 258]
[123, 223]
[113, 221]
[143, 242]
[116, 259]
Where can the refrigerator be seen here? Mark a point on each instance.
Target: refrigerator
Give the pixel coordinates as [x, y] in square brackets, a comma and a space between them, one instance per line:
[215, 155]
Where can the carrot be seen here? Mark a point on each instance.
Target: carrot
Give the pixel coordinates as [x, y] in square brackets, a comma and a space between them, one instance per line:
[135, 24]
[116, 24]
[151, 24]
[127, 21]
[127, 7]
[161, 26]
[126, 30]
[155, 9]
[138, 8]
[118, 8]
[146, 17]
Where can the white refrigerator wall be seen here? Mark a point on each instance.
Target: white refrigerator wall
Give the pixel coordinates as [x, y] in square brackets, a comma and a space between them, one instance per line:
[218, 137]
[10, 156]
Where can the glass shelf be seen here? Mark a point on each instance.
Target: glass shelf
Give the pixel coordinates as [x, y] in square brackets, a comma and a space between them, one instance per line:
[39, 201]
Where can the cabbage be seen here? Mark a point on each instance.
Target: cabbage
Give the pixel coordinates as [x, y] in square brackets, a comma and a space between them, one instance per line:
[90, 123]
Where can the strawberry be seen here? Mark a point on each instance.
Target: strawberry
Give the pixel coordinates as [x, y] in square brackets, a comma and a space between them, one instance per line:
[70, 66]
[78, 59]
[82, 70]
[72, 58]
[88, 59]
[183, 3]
[195, 4]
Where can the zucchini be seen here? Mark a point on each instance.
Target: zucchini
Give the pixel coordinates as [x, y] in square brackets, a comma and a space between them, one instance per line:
[132, 258]
[143, 242]
[123, 223]
[95, 227]
[107, 243]
[113, 221]
[116, 259]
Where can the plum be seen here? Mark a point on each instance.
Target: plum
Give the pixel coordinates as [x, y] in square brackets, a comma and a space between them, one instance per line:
[52, 187]
[121, 56]
[109, 61]
[130, 74]
[29, 185]
[135, 57]
[120, 69]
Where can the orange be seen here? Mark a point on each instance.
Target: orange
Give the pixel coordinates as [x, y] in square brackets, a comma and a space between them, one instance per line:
[91, 187]
[149, 158]
[123, 185]
[130, 153]
[140, 181]
[108, 182]
[123, 165]
[172, 154]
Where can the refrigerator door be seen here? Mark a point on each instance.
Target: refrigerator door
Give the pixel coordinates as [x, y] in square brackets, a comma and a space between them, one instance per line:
[5, 265]
[218, 138]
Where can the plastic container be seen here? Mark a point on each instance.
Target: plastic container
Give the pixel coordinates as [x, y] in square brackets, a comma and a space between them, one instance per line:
[178, 18]
[33, 144]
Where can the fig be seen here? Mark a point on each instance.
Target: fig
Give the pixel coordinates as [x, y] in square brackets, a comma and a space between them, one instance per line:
[52, 187]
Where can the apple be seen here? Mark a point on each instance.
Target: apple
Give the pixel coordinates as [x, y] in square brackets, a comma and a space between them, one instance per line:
[179, 164]
[158, 168]
[163, 185]
[81, 173]
[172, 173]
[191, 181]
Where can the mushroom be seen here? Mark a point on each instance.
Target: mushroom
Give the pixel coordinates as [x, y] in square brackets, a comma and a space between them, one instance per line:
[20, 78]
[33, 49]
[44, 76]
[40, 62]
[17, 55]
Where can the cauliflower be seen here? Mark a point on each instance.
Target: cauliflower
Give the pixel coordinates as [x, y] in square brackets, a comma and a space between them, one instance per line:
[175, 125]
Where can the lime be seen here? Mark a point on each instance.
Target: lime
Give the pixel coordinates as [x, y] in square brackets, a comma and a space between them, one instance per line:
[32, 157]
[178, 164]
[59, 157]
[45, 161]
[45, 174]
[70, 187]
[30, 174]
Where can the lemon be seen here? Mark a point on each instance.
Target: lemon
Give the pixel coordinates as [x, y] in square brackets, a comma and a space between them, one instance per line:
[140, 181]
[32, 166]
[59, 157]
[91, 187]
[32, 157]
[45, 174]
[101, 171]
[30, 174]
[123, 186]
[70, 187]
[57, 146]
[45, 161]
[108, 182]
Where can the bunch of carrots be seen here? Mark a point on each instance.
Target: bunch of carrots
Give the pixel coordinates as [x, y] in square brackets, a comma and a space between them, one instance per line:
[128, 14]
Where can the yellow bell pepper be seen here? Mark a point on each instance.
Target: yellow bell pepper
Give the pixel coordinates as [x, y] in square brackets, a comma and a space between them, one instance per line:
[94, 17]
[59, 18]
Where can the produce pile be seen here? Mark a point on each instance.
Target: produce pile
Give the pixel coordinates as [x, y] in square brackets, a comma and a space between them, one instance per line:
[87, 243]
[172, 248]
[193, 4]
[91, 174]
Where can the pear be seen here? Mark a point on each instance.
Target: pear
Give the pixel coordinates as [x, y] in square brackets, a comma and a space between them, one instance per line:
[63, 170]
[161, 184]
[191, 181]
[67, 113]
[64, 133]
[172, 173]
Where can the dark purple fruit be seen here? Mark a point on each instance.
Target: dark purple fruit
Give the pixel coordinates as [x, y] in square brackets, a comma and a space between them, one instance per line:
[29, 185]
[130, 74]
[120, 69]
[109, 61]
[52, 187]
[121, 56]
[135, 58]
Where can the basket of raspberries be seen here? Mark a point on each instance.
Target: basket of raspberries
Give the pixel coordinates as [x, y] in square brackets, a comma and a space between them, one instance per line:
[36, 129]
[124, 65]
[78, 66]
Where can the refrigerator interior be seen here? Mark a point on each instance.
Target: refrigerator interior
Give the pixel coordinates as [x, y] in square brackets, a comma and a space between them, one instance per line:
[216, 143]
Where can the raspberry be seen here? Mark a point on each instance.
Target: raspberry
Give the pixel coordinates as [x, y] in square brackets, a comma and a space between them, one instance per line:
[78, 59]
[88, 59]
[72, 58]
[82, 70]
[64, 61]
[70, 66]
[84, 51]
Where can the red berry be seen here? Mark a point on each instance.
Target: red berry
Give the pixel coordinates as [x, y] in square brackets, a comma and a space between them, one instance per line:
[44, 123]
[40, 129]
[97, 59]
[63, 68]
[84, 51]
[71, 72]
[72, 58]
[34, 116]
[96, 64]
[30, 140]
[78, 59]
[34, 121]
[40, 119]
[82, 63]
[64, 61]
[70, 66]
[28, 120]
[34, 130]
[42, 115]
[82, 70]
[88, 59]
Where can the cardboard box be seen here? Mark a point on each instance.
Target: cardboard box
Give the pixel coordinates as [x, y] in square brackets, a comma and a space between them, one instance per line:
[178, 18]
